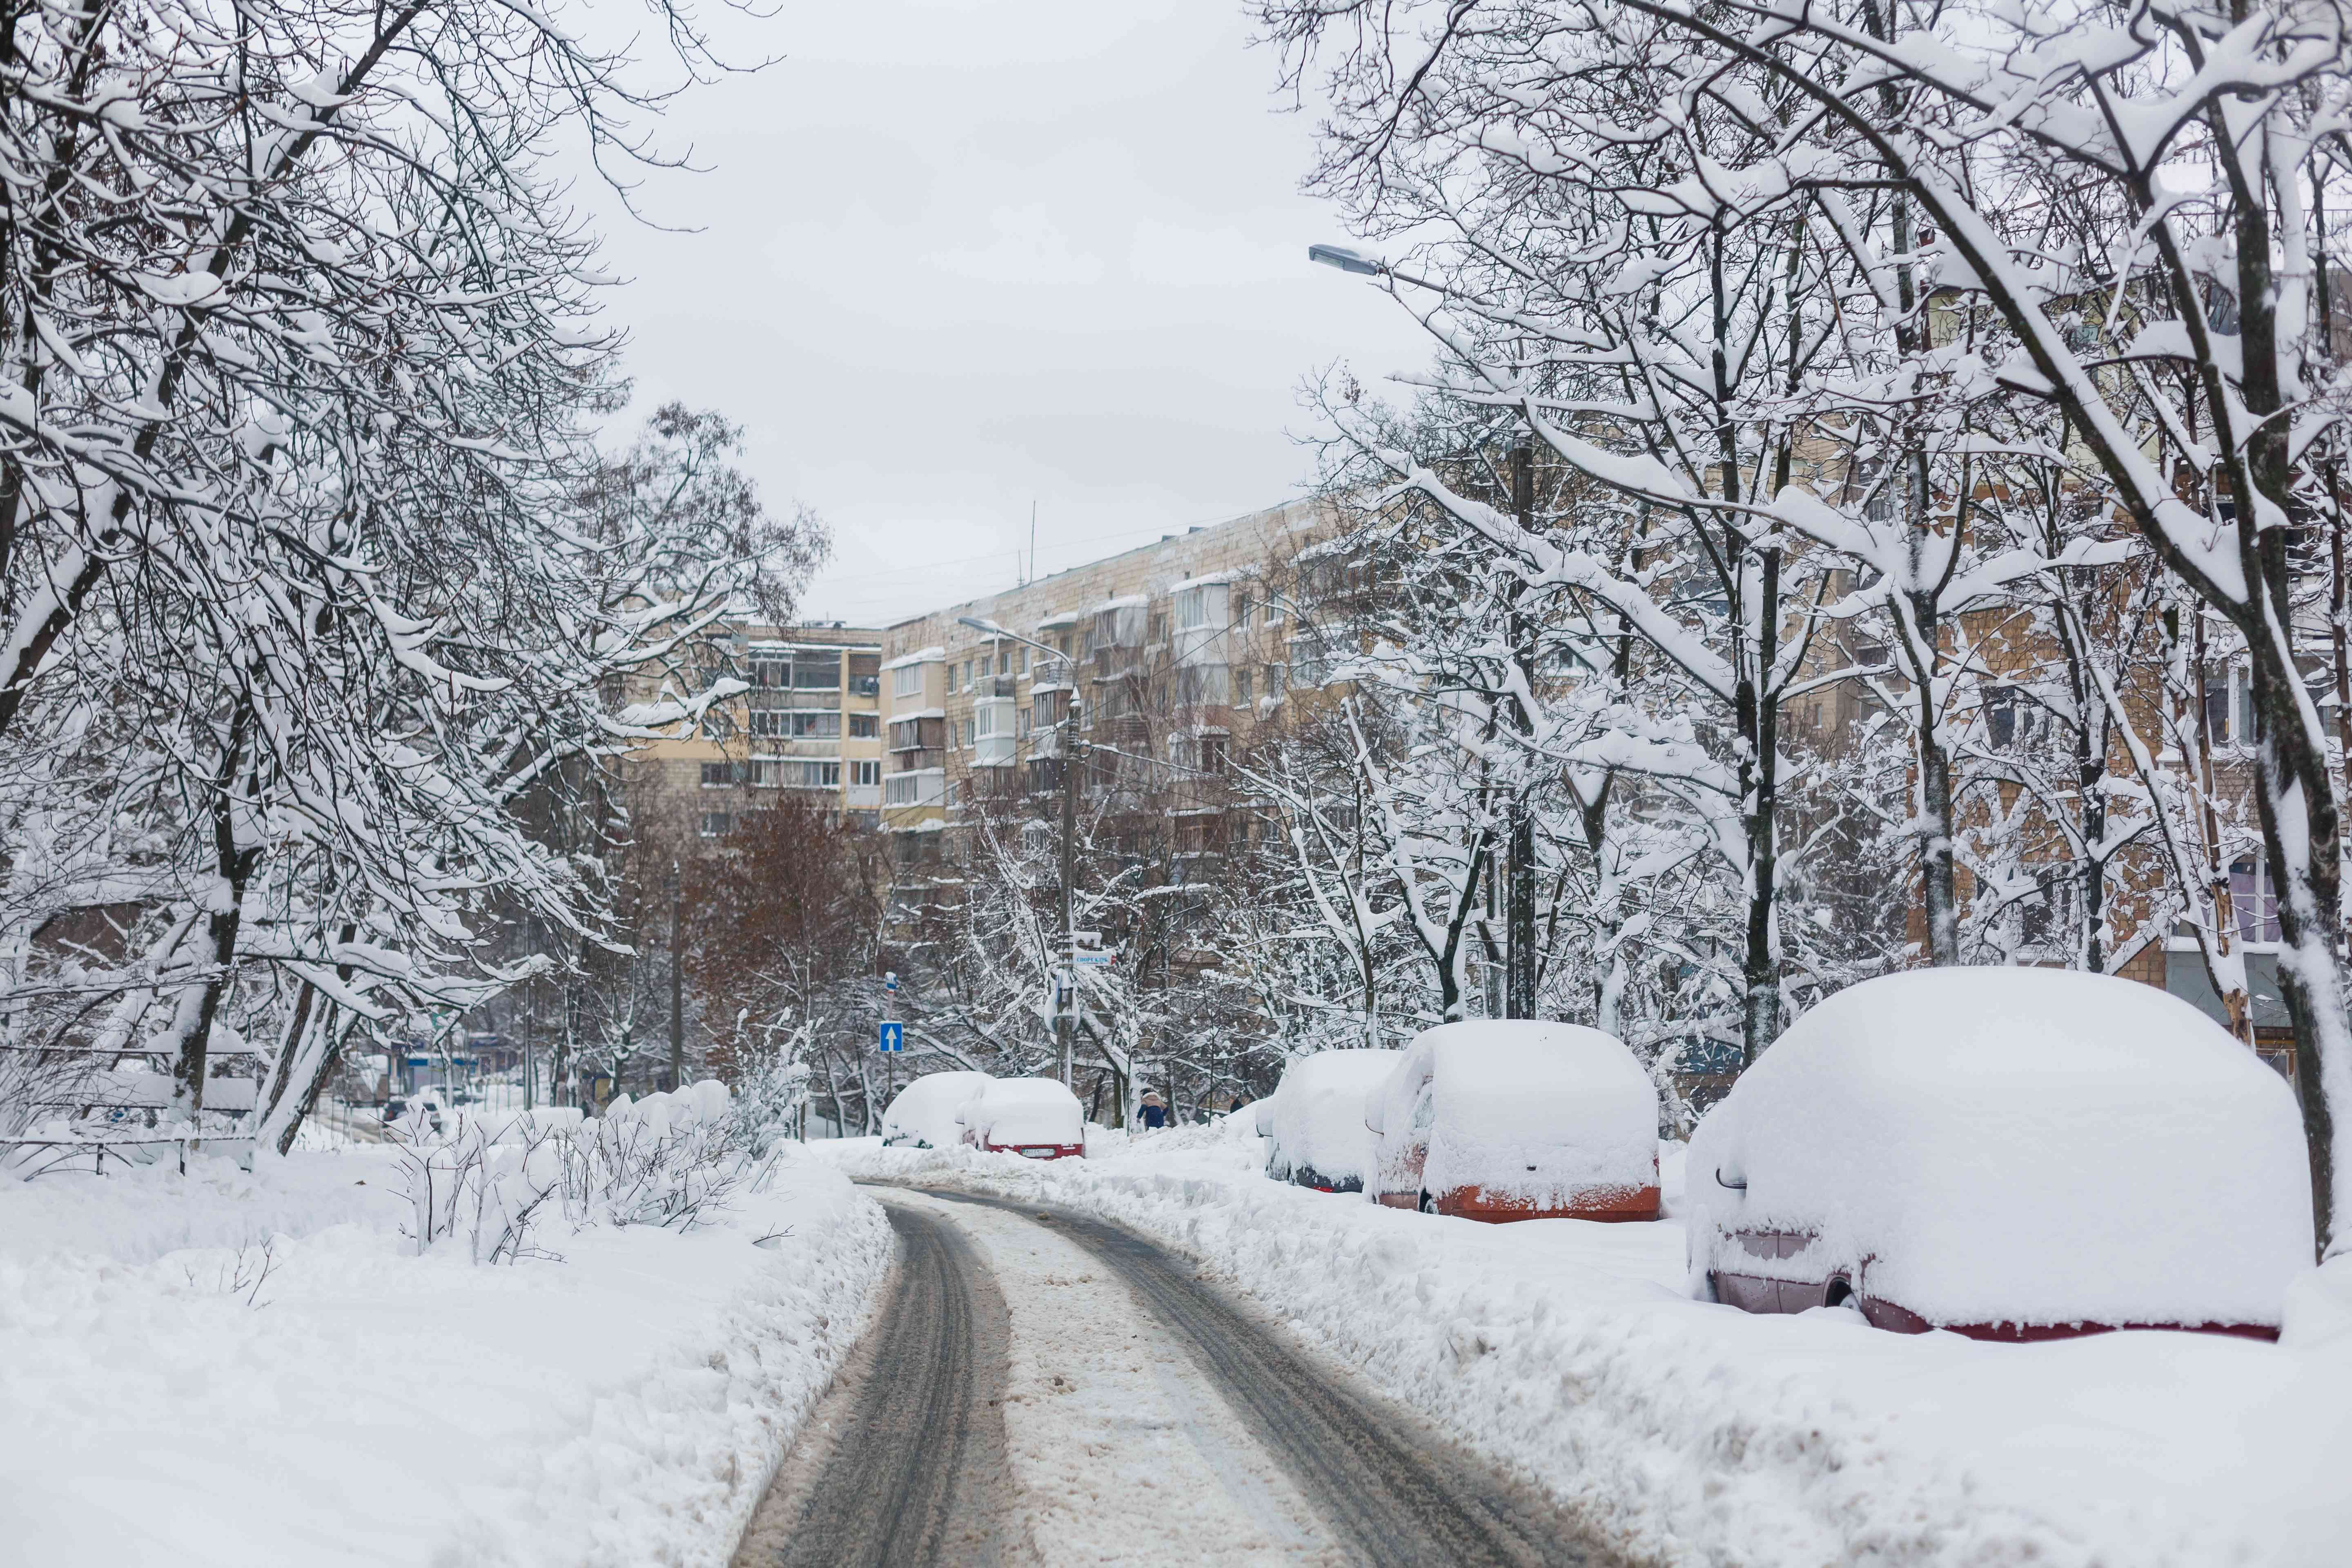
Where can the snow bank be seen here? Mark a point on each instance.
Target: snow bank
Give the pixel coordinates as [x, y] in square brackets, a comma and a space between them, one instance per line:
[249, 1370]
[1529, 1113]
[923, 1116]
[2025, 1146]
[1694, 1433]
[1012, 1112]
[1317, 1119]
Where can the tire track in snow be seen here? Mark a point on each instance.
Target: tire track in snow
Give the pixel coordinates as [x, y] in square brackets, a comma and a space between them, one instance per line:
[1392, 1492]
[903, 1464]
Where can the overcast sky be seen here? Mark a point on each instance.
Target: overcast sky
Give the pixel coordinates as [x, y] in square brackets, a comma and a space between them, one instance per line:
[959, 254]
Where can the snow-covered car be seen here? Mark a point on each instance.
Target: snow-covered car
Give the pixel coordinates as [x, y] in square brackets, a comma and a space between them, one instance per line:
[1315, 1121]
[2011, 1153]
[1522, 1119]
[923, 1116]
[1035, 1118]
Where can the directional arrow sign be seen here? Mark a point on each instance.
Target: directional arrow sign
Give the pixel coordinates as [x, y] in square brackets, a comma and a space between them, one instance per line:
[894, 1036]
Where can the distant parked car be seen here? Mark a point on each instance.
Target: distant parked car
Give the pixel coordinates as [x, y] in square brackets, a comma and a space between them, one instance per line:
[1035, 1118]
[1316, 1119]
[923, 1116]
[2009, 1154]
[426, 1104]
[1524, 1118]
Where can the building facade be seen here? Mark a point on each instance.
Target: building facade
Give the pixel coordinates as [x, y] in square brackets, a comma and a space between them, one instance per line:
[810, 728]
[1173, 652]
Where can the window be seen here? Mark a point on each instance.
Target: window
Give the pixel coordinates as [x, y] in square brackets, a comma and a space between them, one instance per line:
[2000, 718]
[1274, 677]
[816, 726]
[772, 723]
[1213, 753]
[1192, 609]
[2230, 709]
[719, 775]
[1157, 628]
[1242, 684]
[955, 733]
[816, 671]
[2253, 902]
[866, 673]
[1023, 666]
[867, 772]
[1242, 607]
[1237, 831]
[983, 719]
[865, 726]
[770, 670]
[1273, 610]
[907, 680]
[717, 824]
[900, 790]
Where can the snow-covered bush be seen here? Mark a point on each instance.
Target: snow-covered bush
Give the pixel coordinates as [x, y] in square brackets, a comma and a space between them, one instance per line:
[485, 1185]
[668, 1159]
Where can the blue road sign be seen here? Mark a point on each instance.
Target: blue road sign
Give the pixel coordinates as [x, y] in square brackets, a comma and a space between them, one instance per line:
[894, 1036]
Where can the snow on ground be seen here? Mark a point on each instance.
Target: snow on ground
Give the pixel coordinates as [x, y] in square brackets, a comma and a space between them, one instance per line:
[1698, 1433]
[167, 1403]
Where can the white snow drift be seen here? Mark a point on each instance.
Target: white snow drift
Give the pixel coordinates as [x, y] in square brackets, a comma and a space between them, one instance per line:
[241, 1371]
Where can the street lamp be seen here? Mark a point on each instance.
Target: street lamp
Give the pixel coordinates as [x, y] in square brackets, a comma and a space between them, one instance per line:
[1062, 1020]
[1345, 260]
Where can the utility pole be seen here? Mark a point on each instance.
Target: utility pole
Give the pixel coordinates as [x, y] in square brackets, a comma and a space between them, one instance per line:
[1520, 917]
[676, 988]
[1065, 1023]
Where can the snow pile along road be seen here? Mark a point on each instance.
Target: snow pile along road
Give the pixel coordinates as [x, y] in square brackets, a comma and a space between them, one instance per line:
[255, 1369]
[1691, 1431]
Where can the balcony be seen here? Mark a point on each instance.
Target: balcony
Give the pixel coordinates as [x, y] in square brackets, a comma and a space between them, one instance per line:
[905, 791]
[993, 685]
[863, 797]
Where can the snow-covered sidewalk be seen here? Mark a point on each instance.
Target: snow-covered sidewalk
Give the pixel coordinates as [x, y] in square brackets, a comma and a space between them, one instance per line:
[1698, 1433]
[163, 1401]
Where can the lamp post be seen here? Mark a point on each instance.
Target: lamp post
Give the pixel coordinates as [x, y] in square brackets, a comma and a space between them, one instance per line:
[1062, 1014]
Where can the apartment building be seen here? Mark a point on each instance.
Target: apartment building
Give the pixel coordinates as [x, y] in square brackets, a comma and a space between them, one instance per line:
[1175, 651]
[810, 727]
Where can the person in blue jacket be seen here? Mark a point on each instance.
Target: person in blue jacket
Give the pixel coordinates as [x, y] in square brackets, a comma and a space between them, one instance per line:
[1155, 1111]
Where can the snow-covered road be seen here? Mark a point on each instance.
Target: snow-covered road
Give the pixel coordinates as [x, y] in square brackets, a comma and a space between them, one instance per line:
[1144, 1419]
